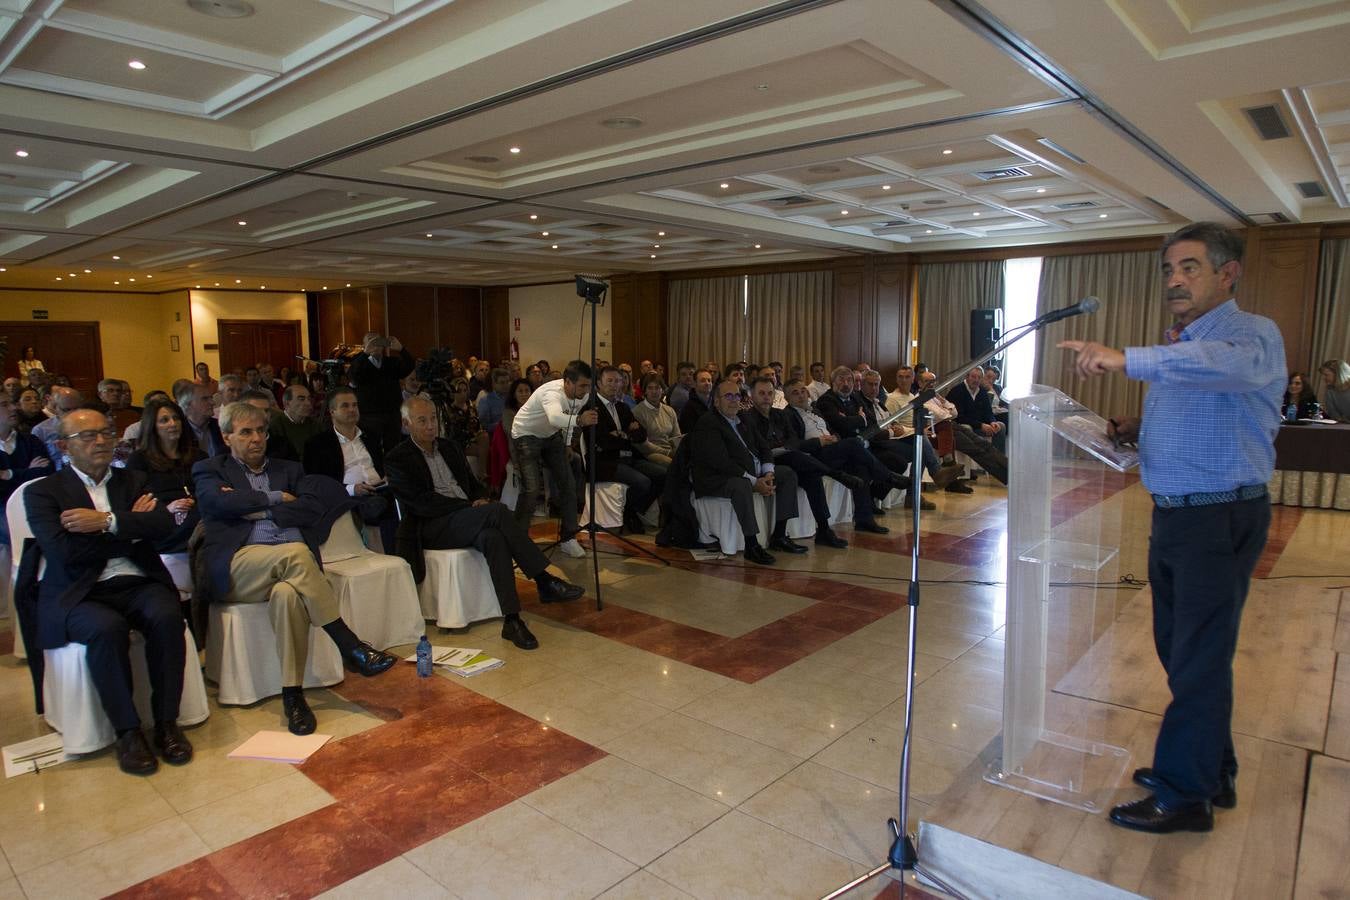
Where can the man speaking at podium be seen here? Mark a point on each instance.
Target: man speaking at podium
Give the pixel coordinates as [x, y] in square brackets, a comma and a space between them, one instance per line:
[1206, 452]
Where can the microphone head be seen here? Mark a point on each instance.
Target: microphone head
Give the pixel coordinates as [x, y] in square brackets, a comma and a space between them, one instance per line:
[1089, 304]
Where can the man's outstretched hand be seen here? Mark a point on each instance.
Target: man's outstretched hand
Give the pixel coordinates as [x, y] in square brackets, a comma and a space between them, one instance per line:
[1094, 358]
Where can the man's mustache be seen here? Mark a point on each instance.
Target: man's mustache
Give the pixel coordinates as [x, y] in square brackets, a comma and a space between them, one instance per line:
[1178, 294]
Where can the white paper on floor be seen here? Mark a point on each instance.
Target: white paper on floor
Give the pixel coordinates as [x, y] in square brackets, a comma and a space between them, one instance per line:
[39, 753]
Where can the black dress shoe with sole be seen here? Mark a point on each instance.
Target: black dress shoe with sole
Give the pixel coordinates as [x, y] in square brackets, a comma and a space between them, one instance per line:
[366, 660]
[759, 555]
[785, 545]
[1151, 816]
[172, 744]
[134, 755]
[852, 482]
[1225, 798]
[957, 487]
[871, 528]
[827, 538]
[299, 717]
[515, 631]
[555, 590]
[923, 504]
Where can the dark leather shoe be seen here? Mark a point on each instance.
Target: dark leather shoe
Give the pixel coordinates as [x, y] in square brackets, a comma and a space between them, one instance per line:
[555, 590]
[366, 660]
[852, 482]
[826, 537]
[1226, 798]
[134, 755]
[759, 555]
[515, 631]
[901, 482]
[299, 717]
[633, 524]
[785, 545]
[1151, 816]
[946, 475]
[172, 744]
[871, 527]
[957, 487]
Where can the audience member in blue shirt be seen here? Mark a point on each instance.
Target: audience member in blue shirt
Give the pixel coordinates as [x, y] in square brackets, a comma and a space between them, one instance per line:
[491, 403]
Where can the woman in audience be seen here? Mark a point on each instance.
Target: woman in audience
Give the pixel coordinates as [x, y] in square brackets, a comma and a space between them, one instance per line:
[660, 420]
[502, 448]
[166, 452]
[1335, 389]
[29, 412]
[1301, 393]
[28, 362]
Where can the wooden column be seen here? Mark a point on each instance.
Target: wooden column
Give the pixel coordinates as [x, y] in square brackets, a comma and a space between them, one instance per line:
[1279, 281]
[637, 311]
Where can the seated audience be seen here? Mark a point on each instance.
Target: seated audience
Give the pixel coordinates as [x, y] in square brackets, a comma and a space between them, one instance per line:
[842, 409]
[60, 400]
[133, 431]
[264, 521]
[942, 474]
[1335, 389]
[660, 421]
[886, 446]
[278, 447]
[699, 401]
[22, 458]
[618, 434]
[231, 391]
[968, 441]
[974, 405]
[534, 376]
[28, 411]
[195, 401]
[295, 421]
[111, 392]
[501, 446]
[96, 527]
[202, 375]
[481, 381]
[773, 429]
[463, 425]
[1300, 393]
[444, 509]
[490, 403]
[817, 385]
[729, 459]
[682, 388]
[355, 459]
[165, 453]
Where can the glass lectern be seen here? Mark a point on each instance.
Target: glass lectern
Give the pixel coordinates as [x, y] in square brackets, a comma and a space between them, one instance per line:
[1062, 538]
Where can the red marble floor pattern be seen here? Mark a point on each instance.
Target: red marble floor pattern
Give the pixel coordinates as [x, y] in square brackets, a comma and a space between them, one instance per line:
[444, 757]
[1283, 522]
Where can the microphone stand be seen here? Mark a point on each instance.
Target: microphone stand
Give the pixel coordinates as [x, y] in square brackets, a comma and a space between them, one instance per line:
[903, 854]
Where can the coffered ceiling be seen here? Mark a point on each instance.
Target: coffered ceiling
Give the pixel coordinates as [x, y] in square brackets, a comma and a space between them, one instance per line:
[309, 143]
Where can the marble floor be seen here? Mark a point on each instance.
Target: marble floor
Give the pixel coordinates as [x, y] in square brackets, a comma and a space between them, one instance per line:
[718, 730]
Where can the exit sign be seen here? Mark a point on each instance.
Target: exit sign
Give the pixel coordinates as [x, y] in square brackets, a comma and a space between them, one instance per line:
[39, 314]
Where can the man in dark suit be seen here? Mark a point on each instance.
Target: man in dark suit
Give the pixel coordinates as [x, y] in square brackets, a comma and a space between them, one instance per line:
[444, 508]
[842, 409]
[195, 401]
[975, 407]
[772, 427]
[376, 374]
[263, 531]
[22, 458]
[729, 459]
[354, 458]
[700, 400]
[96, 529]
[617, 435]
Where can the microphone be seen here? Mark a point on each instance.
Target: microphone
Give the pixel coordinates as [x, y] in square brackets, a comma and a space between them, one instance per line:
[1086, 305]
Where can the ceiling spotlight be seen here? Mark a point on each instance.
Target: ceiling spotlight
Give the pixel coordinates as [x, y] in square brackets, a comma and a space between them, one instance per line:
[241, 222]
[656, 246]
[885, 187]
[117, 257]
[136, 64]
[324, 288]
[724, 185]
[947, 152]
[117, 282]
[533, 217]
[543, 234]
[653, 256]
[71, 274]
[1040, 190]
[349, 284]
[262, 287]
[515, 149]
[843, 212]
[197, 286]
[660, 234]
[428, 234]
[88, 271]
[757, 246]
[1102, 216]
[217, 284]
[149, 276]
[21, 154]
[974, 214]
[3, 269]
[238, 281]
[929, 231]
[58, 277]
[555, 246]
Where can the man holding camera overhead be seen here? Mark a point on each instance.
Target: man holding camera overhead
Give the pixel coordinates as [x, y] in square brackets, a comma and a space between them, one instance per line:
[375, 374]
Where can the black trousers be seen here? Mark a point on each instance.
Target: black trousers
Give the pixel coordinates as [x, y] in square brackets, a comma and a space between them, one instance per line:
[1200, 562]
[849, 455]
[103, 621]
[982, 450]
[645, 480]
[809, 472]
[741, 492]
[493, 531]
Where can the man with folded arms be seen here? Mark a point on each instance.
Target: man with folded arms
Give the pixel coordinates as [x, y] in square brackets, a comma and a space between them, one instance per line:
[262, 546]
[445, 508]
[729, 459]
[96, 528]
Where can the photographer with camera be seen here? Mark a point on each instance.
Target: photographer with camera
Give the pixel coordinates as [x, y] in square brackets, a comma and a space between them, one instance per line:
[375, 374]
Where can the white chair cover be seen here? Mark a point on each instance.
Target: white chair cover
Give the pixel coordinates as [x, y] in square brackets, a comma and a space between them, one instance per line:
[241, 654]
[73, 707]
[16, 515]
[717, 521]
[610, 496]
[376, 593]
[893, 498]
[840, 499]
[457, 589]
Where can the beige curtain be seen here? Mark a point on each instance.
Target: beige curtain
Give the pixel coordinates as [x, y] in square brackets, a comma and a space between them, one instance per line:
[790, 317]
[705, 319]
[947, 294]
[1132, 314]
[1331, 313]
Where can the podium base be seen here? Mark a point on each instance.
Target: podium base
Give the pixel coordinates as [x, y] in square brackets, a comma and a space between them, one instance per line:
[1067, 770]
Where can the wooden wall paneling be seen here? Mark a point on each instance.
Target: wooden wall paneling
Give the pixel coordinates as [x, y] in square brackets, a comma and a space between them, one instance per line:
[891, 290]
[852, 315]
[353, 315]
[410, 310]
[459, 319]
[638, 319]
[375, 309]
[1280, 282]
[73, 349]
[496, 306]
[328, 312]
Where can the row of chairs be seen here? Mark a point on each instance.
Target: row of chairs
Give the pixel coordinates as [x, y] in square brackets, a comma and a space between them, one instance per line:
[376, 594]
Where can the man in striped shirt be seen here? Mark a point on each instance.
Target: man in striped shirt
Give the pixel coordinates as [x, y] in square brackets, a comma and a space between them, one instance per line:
[1206, 452]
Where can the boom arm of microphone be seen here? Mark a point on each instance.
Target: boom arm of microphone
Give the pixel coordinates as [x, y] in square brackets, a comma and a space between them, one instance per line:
[1086, 305]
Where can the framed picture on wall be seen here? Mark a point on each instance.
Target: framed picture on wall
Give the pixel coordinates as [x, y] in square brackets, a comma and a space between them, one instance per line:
[173, 342]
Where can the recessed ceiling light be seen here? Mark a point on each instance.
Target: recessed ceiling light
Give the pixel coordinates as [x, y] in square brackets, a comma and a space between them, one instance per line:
[58, 277]
[1102, 216]
[149, 276]
[349, 284]
[136, 64]
[241, 222]
[88, 271]
[117, 282]
[885, 187]
[724, 185]
[3, 269]
[974, 214]
[198, 286]
[653, 256]
[263, 287]
[1040, 190]
[929, 231]
[757, 246]
[428, 234]
[533, 216]
[515, 149]
[622, 122]
[71, 274]
[947, 152]
[656, 246]
[660, 234]
[555, 246]
[324, 288]
[544, 233]
[117, 257]
[761, 87]
[843, 212]
[22, 154]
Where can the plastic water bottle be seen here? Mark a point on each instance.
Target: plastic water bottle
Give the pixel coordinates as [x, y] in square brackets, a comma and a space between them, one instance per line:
[424, 658]
[1291, 412]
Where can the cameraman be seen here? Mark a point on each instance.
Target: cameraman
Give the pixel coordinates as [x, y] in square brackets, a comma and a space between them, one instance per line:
[375, 374]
